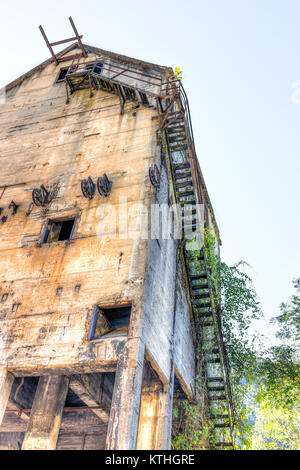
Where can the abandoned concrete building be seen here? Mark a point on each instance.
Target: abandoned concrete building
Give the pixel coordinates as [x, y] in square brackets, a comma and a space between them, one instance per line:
[100, 335]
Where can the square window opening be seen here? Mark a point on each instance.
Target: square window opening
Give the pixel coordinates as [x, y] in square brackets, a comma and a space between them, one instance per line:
[62, 74]
[59, 230]
[112, 321]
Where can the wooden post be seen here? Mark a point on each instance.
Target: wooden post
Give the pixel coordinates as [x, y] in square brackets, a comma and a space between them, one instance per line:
[43, 427]
[6, 383]
[124, 414]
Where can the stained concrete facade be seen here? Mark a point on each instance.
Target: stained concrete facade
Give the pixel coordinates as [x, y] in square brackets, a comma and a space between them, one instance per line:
[48, 290]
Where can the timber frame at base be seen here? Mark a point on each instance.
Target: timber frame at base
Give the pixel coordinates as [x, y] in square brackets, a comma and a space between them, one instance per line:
[135, 411]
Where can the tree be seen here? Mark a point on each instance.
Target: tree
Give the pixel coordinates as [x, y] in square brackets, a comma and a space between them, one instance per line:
[236, 299]
[264, 381]
[278, 389]
[274, 430]
[289, 319]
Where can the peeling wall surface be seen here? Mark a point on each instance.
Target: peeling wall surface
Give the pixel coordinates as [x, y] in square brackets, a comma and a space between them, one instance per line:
[184, 349]
[166, 339]
[48, 290]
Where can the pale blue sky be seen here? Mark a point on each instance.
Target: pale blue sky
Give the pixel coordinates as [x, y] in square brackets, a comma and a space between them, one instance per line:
[239, 60]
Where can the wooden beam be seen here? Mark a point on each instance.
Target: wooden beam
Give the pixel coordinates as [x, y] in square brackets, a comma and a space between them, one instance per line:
[47, 409]
[72, 422]
[93, 389]
[6, 383]
[12, 406]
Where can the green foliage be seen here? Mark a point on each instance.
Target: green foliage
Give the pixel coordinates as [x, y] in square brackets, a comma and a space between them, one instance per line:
[278, 384]
[279, 368]
[178, 73]
[239, 306]
[274, 430]
[289, 319]
[191, 431]
[235, 298]
[264, 381]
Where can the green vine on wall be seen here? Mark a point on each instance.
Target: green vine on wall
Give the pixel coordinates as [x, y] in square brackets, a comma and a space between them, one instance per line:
[235, 298]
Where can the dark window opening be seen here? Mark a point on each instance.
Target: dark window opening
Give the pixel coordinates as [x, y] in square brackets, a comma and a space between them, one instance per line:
[85, 420]
[118, 316]
[17, 413]
[130, 94]
[109, 321]
[144, 99]
[62, 74]
[96, 67]
[59, 230]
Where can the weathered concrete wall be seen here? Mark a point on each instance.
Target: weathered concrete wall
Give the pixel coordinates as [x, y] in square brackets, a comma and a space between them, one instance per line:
[159, 300]
[184, 350]
[47, 292]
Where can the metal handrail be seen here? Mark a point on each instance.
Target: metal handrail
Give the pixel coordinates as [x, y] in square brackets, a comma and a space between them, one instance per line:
[119, 71]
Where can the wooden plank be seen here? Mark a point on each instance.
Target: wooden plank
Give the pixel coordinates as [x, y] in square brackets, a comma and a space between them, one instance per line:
[12, 406]
[11, 441]
[72, 421]
[83, 441]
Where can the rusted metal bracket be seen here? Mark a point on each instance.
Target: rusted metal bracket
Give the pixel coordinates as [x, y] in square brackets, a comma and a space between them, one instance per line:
[14, 207]
[30, 209]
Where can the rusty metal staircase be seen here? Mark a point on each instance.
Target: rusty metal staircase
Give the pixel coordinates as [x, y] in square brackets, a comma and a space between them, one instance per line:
[214, 376]
[174, 120]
